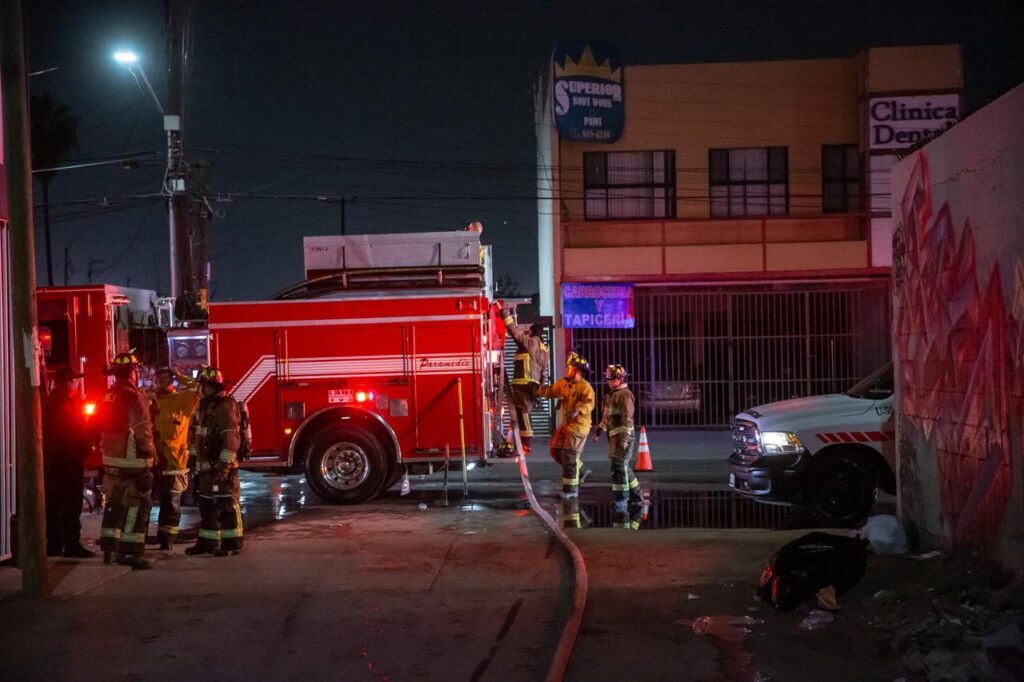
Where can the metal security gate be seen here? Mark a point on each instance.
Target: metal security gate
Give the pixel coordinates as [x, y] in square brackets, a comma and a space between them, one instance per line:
[697, 356]
[7, 451]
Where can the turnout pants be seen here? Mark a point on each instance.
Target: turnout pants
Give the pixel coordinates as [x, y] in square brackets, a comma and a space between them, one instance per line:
[523, 399]
[220, 525]
[126, 514]
[171, 488]
[624, 482]
[63, 506]
[568, 449]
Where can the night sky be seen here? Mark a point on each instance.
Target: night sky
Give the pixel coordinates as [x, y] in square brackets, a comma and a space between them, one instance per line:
[420, 114]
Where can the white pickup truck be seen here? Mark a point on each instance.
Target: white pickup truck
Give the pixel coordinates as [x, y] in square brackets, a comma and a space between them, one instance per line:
[828, 452]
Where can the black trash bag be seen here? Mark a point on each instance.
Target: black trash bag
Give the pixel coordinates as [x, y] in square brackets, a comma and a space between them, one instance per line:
[802, 567]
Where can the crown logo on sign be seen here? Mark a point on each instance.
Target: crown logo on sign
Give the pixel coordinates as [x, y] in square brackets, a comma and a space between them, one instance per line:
[588, 66]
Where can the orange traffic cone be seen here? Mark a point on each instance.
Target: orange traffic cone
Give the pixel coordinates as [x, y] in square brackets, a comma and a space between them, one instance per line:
[643, 455]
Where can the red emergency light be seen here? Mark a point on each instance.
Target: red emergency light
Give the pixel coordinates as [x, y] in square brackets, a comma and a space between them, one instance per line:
[89, 409]
[363, 396]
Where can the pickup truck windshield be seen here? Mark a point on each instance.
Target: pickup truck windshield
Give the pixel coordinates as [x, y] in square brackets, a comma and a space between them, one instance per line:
[876, 386]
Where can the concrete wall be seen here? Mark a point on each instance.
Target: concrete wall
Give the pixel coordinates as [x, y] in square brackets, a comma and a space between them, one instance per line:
[958, 270]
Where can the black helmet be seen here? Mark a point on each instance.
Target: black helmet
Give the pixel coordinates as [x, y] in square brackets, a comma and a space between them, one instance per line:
[124, 364]
[211, 376]
[578, 361]
[614, 372]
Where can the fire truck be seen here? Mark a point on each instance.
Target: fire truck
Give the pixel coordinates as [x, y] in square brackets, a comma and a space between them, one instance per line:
[386, 360]
[83, 327]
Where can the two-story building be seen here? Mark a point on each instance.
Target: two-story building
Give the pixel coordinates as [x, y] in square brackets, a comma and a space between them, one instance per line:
[732, 245]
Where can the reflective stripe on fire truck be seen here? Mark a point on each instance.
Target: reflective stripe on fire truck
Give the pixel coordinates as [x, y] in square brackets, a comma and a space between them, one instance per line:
[340, 321]
[366, 366]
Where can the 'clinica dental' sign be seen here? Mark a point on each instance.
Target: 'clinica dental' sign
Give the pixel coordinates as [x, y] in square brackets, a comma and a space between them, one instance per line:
[587, 97]
[897, 122]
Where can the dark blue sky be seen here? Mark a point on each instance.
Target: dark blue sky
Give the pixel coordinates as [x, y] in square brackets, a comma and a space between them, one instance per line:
[405, 108]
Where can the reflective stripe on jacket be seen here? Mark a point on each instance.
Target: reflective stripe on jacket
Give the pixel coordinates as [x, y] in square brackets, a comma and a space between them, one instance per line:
[126, 436]
[215, 434]
[617, 411]
[577, 399]
[531, 358]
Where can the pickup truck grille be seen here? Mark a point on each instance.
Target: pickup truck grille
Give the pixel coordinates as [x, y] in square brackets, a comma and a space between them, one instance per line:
[744, 440]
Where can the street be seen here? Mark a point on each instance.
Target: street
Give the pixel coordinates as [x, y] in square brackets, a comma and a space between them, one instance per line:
[405, 588]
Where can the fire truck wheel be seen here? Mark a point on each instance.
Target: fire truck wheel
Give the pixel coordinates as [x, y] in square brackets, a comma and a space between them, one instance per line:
[346, 465]
[841, 488]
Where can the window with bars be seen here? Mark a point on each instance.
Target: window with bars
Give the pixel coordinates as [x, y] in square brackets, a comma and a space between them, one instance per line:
[622, 185]
[840, 178]
[749, 182]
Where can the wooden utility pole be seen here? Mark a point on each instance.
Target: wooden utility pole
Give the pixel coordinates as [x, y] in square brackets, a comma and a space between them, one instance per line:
[183, 281]
[28, 433]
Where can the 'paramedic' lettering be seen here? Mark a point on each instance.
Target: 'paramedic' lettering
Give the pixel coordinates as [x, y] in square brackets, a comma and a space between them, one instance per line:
[448, 363]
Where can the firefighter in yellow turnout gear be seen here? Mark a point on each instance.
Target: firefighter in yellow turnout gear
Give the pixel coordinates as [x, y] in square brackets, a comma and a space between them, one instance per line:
[126, 439]
[577, 404]
[172, 410]
[215, 438]
[617, 421]
[531, 365]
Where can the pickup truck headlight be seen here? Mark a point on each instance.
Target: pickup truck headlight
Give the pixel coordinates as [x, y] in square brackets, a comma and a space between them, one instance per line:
[781, 443]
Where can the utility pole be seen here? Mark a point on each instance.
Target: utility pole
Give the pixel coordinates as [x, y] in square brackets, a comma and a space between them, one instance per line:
[67, 265]
[202, 240]
[28, 433]
[343, 216]
[183, 280]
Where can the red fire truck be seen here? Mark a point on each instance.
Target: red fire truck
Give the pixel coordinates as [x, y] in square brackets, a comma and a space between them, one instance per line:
[386, 360]
[83, 327]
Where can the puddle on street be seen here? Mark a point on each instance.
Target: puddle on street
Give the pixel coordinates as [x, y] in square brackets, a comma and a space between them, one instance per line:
[692, 509]
[266, 499]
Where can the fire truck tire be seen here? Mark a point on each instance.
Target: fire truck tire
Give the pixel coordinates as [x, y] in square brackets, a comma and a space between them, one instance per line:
[346, 465]
[394, 475]
[841, 488]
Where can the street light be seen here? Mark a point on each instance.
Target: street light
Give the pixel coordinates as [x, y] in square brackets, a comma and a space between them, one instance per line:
[174, 181]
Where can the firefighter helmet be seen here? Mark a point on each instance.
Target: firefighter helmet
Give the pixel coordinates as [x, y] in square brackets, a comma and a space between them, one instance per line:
[211, 376]
[126, 360]
[612, 372]
[577, 361]
[164, 370]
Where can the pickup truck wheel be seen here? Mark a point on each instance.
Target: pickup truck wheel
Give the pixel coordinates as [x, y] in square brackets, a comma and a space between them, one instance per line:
[841, 489]
[346, 465]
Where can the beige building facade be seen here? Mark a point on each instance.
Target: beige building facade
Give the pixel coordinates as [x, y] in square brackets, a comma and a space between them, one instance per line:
[747, 205]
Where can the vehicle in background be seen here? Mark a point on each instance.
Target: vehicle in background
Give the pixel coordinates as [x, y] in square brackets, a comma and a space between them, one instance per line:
[84, 327]
[831, 452]
[384, 361]
[671, 396]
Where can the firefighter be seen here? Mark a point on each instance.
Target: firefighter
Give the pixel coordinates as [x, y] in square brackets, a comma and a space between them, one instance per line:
[215, 438]
[531, 366]
[172, 410]
[65, 447]
[617, 421]
[126, 439]
[577, 402]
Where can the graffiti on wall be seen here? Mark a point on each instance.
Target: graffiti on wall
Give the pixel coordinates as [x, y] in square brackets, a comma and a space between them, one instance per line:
[959, 349]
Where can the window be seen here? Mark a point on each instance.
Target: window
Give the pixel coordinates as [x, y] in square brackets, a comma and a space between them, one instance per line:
[619, 185]
[749, 182]
[840, 178]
